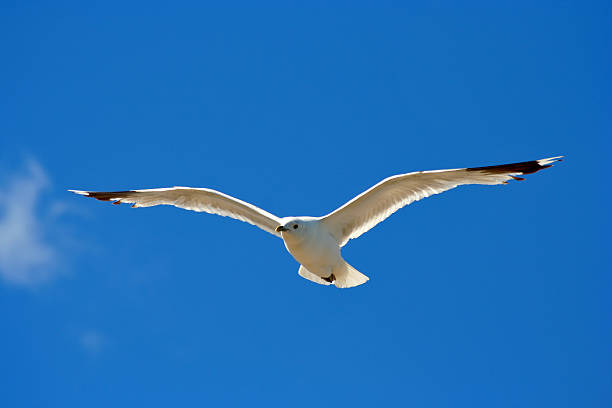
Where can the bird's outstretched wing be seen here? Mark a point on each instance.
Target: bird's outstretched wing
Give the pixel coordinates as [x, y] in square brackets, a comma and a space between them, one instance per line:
[379, 202]
[196, 199]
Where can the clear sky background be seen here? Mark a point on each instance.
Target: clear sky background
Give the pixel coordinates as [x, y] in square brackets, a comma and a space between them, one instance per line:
[480, 297]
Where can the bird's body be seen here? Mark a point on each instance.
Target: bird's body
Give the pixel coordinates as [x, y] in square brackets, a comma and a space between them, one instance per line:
[315, 248]
[316, 242]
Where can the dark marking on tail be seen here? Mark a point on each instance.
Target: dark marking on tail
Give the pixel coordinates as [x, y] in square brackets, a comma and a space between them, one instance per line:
[331, 278]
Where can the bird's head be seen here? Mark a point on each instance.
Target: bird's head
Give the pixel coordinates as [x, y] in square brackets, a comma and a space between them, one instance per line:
[297, 227]
[293, 228]
[290, 226]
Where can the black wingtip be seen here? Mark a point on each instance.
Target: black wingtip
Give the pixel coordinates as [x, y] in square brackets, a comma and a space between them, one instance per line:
[102, 195]
[528, 167]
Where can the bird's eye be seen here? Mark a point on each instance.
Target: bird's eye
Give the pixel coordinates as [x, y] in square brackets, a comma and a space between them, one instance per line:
[295, 226]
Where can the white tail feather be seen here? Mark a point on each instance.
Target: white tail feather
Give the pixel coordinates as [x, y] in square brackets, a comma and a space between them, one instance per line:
[306, 274]
[348, 277]
[345, 276]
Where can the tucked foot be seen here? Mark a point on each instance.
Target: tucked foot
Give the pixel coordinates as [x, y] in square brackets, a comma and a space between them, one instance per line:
[331, 278]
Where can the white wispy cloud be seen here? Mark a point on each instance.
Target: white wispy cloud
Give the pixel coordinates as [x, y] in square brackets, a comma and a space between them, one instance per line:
[93, 341]
[27, 255]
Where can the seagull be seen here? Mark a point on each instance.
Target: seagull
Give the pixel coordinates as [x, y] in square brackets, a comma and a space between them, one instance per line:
[316, 242]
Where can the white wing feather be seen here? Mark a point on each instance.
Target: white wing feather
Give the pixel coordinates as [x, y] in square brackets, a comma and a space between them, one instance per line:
[379, 202]
[195, 199]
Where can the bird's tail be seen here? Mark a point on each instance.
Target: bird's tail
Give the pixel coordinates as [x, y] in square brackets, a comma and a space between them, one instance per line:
[306, 274]
[347, 276]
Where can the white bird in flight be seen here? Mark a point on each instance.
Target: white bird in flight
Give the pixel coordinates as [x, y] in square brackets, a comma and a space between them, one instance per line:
[316, 242]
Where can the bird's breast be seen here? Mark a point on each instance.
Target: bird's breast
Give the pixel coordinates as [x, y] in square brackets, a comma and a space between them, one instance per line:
[314, 249]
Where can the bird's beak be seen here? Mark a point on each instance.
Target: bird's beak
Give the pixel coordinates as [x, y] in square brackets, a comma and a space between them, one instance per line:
[281, 228]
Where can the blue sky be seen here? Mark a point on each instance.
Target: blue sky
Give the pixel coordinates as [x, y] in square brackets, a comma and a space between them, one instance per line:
[483, 296]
